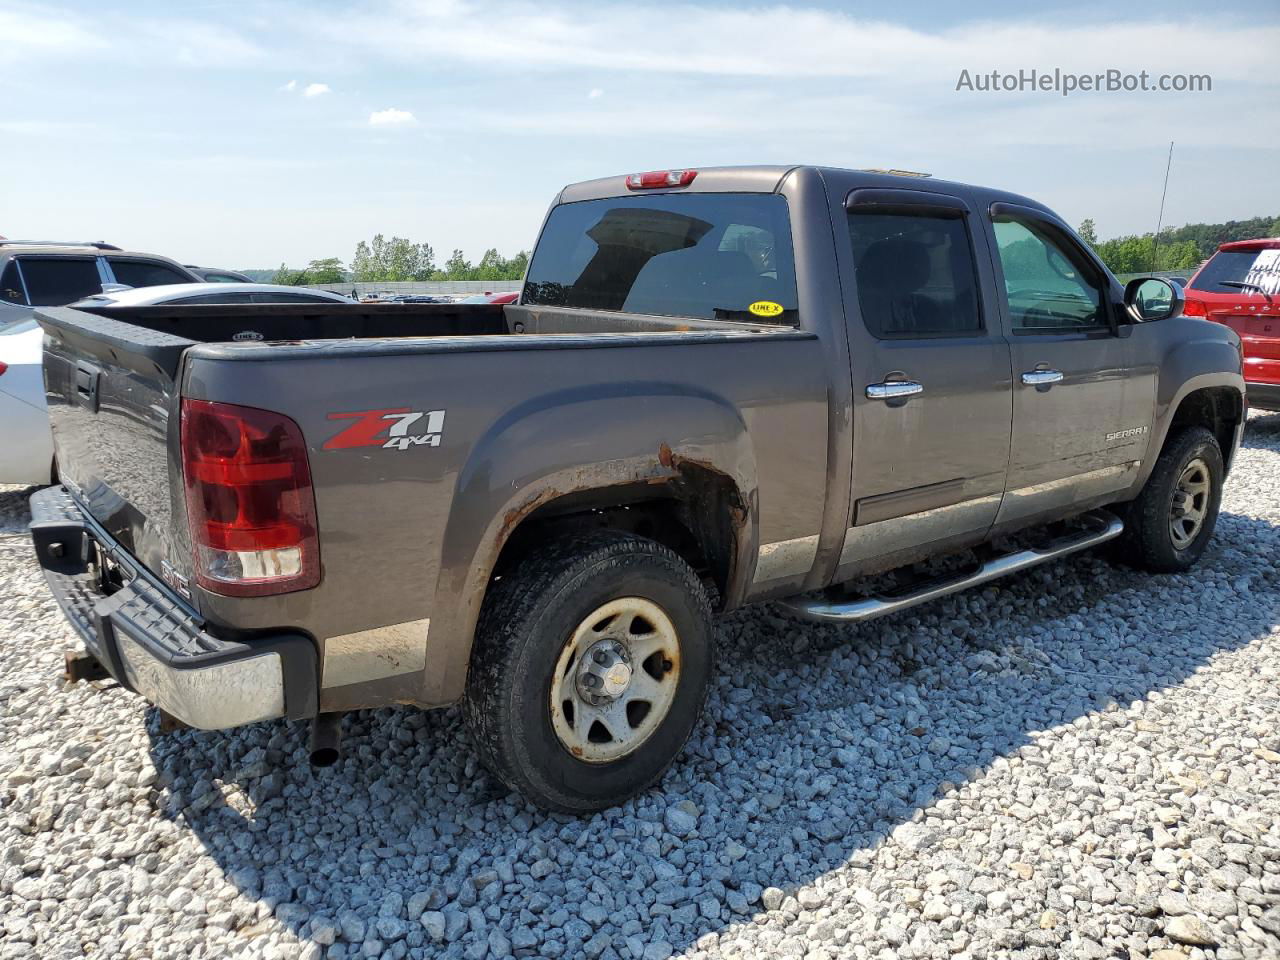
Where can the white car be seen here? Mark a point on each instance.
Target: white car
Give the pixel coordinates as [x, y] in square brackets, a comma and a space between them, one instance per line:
[26, 456]
[27, 453]
[191, 294]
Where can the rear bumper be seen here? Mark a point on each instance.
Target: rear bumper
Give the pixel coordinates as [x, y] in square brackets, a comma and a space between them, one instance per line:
[152, 643]
[1263, 396]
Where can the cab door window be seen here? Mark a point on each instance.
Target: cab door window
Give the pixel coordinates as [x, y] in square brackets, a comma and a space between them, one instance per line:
[1051, 287]
[915, 275]
[145, 273]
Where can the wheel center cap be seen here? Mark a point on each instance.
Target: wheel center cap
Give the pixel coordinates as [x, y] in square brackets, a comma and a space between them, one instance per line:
[605, 673]
[617, 679]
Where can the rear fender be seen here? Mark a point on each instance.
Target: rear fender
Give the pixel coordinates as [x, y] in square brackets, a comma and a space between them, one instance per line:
[567, 442]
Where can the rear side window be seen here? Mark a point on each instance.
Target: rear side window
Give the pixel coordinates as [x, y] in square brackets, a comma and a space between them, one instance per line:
[57, 281]
[145, 273]
[289, 298]
[213, 298]
[11, 284]
[1227, 269]
[723, 256]
[915, 275]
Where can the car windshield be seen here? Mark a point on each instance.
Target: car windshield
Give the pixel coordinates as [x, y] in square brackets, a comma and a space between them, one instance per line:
[1258, 270]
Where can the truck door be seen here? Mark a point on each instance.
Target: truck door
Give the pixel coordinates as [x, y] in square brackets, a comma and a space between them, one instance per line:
[1080, 420]
[932, 381]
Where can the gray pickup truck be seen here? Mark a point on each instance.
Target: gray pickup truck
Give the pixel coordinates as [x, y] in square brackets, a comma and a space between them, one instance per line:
[718, 387]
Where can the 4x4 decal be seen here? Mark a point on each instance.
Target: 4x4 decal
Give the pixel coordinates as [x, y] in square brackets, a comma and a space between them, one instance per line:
[388, 428]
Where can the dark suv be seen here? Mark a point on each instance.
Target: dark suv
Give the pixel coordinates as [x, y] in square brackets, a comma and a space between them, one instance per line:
[53, 273]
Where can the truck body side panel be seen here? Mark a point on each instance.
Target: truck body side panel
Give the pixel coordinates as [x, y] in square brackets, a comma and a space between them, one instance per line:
[408, 537]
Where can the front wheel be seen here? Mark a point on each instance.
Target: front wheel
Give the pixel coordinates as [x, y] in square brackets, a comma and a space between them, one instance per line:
[589, 670]
[1169, 525]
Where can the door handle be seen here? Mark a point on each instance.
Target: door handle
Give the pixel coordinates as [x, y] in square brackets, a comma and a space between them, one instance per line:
[1041, 378]
[894, 390]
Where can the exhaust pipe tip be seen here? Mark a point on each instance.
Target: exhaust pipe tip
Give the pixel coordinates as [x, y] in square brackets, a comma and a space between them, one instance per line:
[326, 739]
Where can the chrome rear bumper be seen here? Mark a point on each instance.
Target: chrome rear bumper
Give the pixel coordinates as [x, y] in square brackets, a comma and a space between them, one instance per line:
[153, 643]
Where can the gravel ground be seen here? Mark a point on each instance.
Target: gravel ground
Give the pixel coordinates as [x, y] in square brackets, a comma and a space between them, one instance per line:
[1082, 761]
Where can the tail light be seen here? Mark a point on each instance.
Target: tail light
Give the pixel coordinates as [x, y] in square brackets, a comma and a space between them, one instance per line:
[1194, 308]
[3, 367]
[250, 505]
[660, 178]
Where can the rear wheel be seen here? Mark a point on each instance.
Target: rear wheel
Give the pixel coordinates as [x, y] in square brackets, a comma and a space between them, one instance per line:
[1169, 525]
[589, 670]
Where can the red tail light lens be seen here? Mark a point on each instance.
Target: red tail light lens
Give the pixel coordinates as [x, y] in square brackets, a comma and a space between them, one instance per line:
[1194, 308]
[660, 178]
[250, 504]
[3, 367]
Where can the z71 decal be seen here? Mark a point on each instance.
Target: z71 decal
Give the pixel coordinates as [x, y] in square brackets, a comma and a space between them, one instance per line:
[395, 428]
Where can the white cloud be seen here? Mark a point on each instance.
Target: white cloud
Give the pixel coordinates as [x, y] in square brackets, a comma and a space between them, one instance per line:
[316, 90]
[792, 41]
[33, 32]
[391, 117]
[193, 43]
[595, 94]
[289, 87]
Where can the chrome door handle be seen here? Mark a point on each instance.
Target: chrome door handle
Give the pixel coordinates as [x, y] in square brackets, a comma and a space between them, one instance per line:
[1041, 378]
[894, 390]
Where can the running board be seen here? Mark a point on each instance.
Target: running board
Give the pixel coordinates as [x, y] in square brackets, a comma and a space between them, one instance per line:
[1103, 527]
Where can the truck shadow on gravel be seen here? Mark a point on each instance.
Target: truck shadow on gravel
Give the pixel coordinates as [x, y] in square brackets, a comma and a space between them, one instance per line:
[817, 744]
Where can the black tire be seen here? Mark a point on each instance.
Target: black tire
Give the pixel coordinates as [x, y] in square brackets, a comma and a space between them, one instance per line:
[1147, 542]
[528, 617]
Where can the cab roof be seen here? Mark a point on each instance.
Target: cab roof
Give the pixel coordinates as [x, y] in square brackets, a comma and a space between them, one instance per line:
[769, 178]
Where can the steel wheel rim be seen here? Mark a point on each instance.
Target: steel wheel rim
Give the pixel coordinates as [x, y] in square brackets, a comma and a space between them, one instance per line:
[1190, 503]
[629, 638]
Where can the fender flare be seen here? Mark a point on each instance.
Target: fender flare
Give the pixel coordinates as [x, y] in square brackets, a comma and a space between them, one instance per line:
[570, 441]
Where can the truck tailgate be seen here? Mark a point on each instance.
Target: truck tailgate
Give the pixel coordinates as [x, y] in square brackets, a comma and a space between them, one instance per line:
[112, 399]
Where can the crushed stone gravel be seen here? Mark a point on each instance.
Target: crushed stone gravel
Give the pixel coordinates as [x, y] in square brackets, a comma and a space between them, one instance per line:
[1080, 761]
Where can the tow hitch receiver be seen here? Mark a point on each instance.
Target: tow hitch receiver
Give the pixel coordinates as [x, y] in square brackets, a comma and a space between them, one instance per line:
[79, 665]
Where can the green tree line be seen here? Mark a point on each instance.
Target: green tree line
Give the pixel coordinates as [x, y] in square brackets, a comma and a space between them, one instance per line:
[395, 259]
[1180, 248]
[391, 259]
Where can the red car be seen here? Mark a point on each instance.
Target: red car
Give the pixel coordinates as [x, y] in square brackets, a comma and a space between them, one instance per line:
[1240, 286]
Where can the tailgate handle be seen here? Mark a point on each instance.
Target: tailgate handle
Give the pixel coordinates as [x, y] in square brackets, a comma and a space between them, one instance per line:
[87, 386]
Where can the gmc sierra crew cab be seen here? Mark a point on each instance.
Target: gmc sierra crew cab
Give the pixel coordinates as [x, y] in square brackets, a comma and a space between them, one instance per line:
[718, 387]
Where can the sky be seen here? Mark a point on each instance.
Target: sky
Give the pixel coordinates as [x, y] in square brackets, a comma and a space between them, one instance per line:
[244, 135]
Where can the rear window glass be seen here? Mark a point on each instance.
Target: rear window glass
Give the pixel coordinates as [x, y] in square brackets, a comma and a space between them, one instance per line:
[724, 256]
[57, 281]
[145, 273]
[1229, 267]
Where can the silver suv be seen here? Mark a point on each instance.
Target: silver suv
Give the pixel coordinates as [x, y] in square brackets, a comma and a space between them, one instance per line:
[54, 273]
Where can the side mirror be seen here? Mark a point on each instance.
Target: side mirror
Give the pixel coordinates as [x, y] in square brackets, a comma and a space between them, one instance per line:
[1153, 298]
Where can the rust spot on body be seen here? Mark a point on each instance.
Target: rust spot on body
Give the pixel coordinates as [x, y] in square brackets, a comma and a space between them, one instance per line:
[516, 514]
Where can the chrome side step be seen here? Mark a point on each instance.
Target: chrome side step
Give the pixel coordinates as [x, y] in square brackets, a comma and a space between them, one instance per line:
[1102, 527]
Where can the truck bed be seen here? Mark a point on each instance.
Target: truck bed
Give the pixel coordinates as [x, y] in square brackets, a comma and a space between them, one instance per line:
[522, 394]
